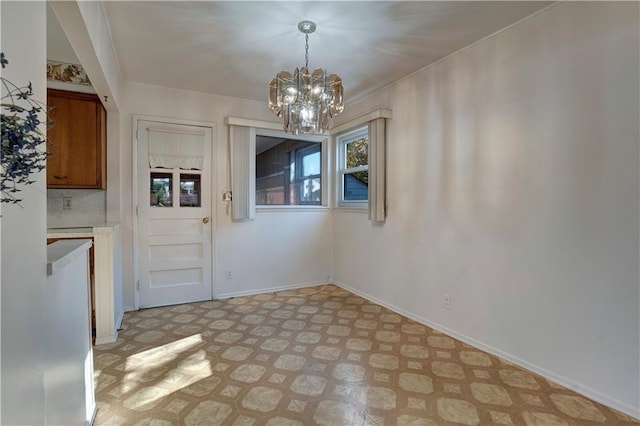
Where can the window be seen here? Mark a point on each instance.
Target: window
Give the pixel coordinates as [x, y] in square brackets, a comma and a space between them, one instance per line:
[353, 167]
[161, 187]
[288, 171]
[189, 190]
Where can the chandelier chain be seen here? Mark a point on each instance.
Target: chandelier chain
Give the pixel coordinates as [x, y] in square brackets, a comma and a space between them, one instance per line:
[306, 50]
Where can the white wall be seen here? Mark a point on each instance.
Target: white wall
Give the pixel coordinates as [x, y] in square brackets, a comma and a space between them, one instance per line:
[68, 378]
[24, 255]
[277, 249]
[513, 188]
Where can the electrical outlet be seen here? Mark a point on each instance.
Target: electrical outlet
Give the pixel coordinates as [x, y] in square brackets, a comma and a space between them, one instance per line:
[66, 203]
[228, 274]
[447, 302]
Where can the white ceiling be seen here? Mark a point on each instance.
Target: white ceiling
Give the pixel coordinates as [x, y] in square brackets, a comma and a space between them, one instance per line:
[236, 48]
[58, 47]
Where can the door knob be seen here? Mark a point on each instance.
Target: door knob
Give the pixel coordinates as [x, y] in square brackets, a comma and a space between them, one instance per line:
[205, 220]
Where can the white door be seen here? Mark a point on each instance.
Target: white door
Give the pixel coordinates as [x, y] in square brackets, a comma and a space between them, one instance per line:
[174, 213]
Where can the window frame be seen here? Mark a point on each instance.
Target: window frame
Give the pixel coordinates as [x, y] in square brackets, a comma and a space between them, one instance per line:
[342, 140]
[323, 141]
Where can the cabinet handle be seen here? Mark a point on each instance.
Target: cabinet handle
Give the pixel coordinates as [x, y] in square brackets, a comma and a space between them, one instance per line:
[60, 177]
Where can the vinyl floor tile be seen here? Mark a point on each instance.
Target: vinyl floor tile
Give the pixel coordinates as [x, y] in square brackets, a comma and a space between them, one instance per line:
[316, 356]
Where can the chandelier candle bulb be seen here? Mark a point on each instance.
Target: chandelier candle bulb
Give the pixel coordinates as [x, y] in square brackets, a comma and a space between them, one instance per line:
[306, 101]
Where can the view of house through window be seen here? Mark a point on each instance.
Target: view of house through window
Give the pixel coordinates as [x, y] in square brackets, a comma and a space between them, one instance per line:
[160, 194]
[353, 151]
[189, 190]
[161, 189]
[288, 171]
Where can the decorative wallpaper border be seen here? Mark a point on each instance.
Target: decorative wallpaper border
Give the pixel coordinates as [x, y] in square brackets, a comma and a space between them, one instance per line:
[67, 73]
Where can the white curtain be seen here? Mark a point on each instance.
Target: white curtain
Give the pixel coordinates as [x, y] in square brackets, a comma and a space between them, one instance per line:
[377, 175]
[170, 149]
[243, 172]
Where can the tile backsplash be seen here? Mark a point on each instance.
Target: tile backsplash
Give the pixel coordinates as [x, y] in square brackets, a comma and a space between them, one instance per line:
[88, 207]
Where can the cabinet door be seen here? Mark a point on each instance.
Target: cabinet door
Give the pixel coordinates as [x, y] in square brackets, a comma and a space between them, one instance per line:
[76, 141]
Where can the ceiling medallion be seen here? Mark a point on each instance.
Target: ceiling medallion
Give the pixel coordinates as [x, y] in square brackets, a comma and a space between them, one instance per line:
[306, 102]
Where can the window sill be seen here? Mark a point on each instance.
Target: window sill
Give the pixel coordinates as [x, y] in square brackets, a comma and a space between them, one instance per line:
[269, 209]
[351, 208]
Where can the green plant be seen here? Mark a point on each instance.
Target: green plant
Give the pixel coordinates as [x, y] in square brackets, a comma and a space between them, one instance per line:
[22, 137]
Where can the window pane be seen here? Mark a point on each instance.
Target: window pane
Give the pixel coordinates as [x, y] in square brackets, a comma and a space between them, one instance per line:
[357, 153]
[310, 191]
[311, 164]
[356, 186]
[160, 190]
[288, 171]
[189, 190]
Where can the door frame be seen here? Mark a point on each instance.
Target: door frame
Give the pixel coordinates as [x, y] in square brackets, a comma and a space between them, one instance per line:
[135, 120]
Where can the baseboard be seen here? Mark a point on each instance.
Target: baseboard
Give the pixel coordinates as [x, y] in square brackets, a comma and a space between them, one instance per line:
[268, 290]
[93, 416]
[106, 339]
[574, 386]
[129, 309]
[119, 322]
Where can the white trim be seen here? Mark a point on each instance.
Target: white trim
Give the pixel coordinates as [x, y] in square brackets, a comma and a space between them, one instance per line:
[355, 206]
[90, 422]
[106, 339]
[103, 261]
[379, 113]
[269, 290]
[279, 133]
[325, 173]
[352, 209]
[248, 122]
[112, 338]
[270, 125]
[134, 209]
[177, 132]
[119, 322]
[70, 87]
[341, 141]
[354, 169]
[290, 208]
[570, 384]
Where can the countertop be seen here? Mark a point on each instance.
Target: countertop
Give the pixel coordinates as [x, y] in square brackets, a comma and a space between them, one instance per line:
[61, 253]
[82, 232]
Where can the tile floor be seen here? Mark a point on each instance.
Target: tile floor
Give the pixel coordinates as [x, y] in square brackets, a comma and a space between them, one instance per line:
[315, 356]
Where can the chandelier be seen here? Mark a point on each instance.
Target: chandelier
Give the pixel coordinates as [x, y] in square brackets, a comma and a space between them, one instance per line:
[306, 101]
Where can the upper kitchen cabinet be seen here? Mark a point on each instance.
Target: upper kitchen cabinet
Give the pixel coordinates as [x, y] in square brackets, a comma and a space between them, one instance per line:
[77, 141]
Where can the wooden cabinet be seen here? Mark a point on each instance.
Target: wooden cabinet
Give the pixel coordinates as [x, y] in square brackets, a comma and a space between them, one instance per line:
[77, 141]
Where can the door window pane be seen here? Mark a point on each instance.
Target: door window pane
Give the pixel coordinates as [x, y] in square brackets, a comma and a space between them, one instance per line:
[160, 190]
[189, 190]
